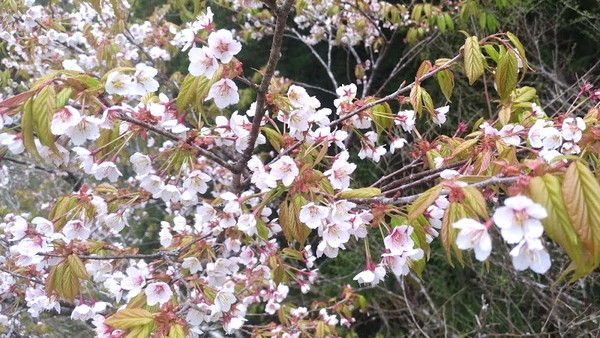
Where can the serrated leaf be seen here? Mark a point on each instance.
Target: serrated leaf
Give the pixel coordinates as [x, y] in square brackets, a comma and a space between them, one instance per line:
[176, 331]
[423, 202]
[415, 99]
[27, 126]
[546, 190]
[475, 201]
[506, 74]
[383, 117]
[361, 193]
[491, 51]
[129, 318]
[292, 228]
[63, 97]
[464, 146]
[524, 94]
[187, 92]
[77, 267]
[581, 193]
[474, 61]
[453, 213]
[519, 46]
[445, 80]
[274, 137]
[43, 107]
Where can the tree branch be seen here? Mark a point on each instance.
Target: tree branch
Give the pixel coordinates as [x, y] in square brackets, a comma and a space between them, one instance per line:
[409, 199]
[211, 156]
[281, 14]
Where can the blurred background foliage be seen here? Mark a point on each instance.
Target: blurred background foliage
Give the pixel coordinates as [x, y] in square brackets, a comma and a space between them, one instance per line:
[561, 38]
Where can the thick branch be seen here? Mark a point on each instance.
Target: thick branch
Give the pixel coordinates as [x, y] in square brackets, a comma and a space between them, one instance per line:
[281, 14]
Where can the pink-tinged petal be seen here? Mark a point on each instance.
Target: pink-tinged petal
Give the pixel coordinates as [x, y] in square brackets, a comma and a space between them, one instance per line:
[512, 234]
[540, 261]
[537, 211]
[484, 248]
[464, 240]
[533, 228]
[519, 202]
[504, 217]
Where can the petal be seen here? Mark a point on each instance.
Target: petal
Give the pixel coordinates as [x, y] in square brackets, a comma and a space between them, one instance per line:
[504, 217]
[540, 261]
[464, 240]
[537, 211]
[512, 234]
[533, 228]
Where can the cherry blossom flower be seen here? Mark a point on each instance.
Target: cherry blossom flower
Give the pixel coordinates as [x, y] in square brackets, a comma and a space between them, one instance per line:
[223, 300]
[440, 115]
[202, 62]
[143, 80]
[196, 182]
[247, 224]
[64, 119]
[400, 264]
[406, 119]
[158, 293]
[14, 142]
[76, 229]
[520, 217]
[509, 134]
[118, 83]
[473, 235]
[572, 129]
[339, 174]
[223, 46]
[141, 163]
[224, 92]
[399, 239]
[87, 128]
[106, 169]
[284, 169]
[396, 143]
[373, 274]
[192, 264]
[116, 221]
[530, 253]
[170, 193]
[313, 215]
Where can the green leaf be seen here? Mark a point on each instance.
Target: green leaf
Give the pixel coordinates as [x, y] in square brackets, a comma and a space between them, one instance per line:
[63, 97]
[361, 193]
[77, 267]
[415, 99]
[292, 228]
[506, 74]
[453, 213]
[187, 92]
[546, 190]
[581, 193]
[274, 137]
[464, 146]
[382, 116]
[43, 107]
[423, 202]
[475, 201]
[129, 318]
[519, 46]
[445, 80]
[474, 61]
[27, 121]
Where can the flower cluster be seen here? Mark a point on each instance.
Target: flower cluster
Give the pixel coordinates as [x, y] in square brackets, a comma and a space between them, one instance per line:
[519, 223]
